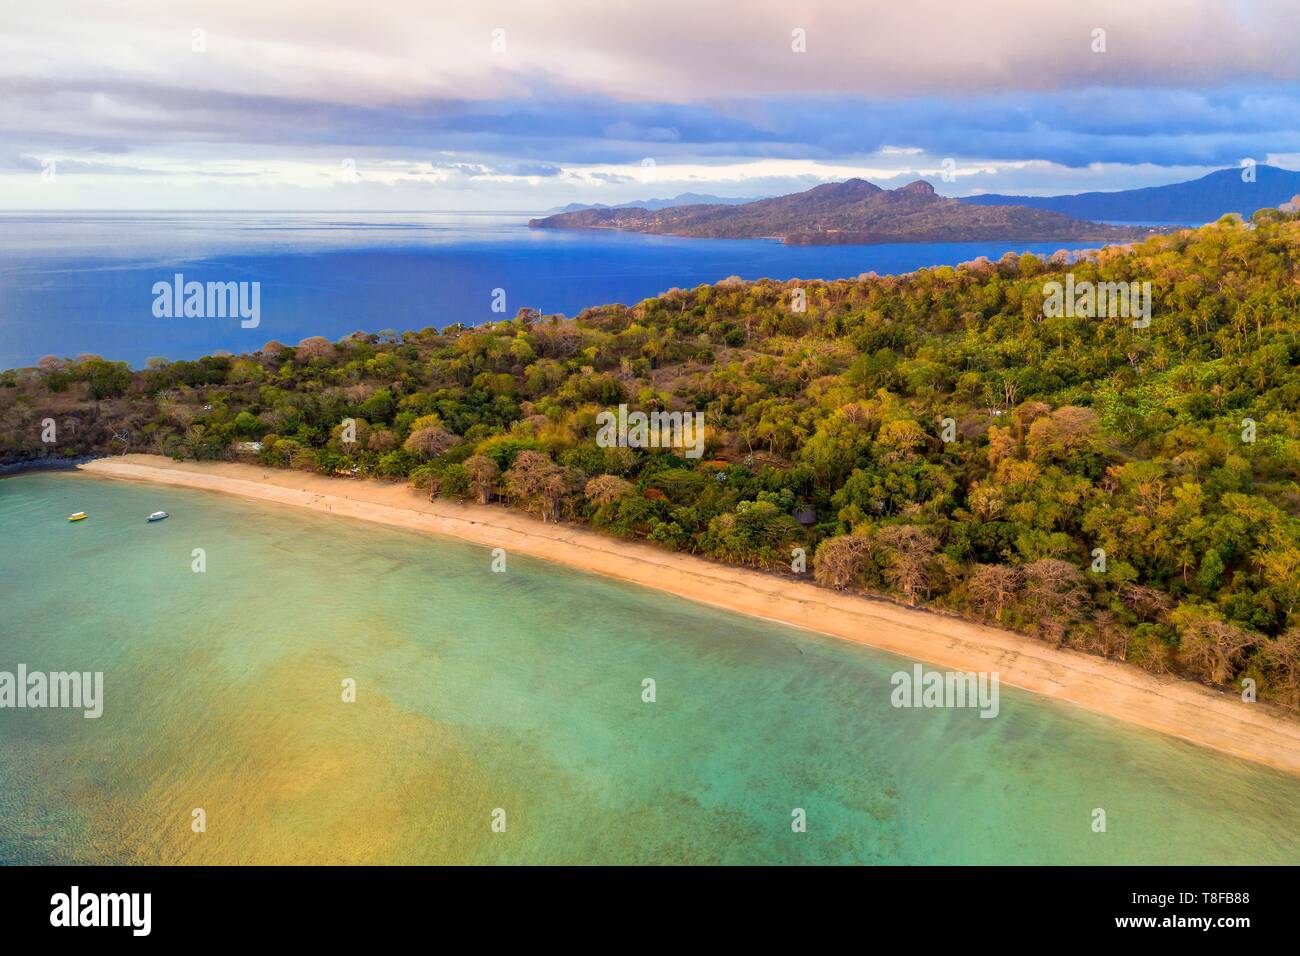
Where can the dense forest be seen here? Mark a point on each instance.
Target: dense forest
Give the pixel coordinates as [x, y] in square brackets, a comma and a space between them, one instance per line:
[932, 436]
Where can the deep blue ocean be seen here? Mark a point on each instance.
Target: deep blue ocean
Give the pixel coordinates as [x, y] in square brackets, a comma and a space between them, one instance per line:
[73, 283]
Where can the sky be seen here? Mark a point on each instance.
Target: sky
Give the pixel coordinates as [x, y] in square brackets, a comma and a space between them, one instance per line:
[434, 105]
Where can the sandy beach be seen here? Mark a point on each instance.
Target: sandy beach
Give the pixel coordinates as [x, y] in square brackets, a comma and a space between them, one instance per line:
[1182, 709]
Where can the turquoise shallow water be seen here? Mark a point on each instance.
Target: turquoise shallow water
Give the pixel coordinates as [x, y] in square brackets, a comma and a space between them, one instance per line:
[519, 691]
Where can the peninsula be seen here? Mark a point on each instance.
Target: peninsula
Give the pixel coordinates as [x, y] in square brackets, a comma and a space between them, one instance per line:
[849, 213]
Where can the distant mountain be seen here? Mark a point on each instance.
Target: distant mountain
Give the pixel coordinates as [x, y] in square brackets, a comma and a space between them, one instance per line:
[1194, 202]
[854, 211]
[684, 199]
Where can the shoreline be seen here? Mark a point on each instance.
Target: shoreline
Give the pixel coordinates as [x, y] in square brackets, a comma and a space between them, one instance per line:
[1178, 708]
[44, 464]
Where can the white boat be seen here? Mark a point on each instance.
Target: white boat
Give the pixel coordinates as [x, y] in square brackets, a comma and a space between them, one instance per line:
[158, 516]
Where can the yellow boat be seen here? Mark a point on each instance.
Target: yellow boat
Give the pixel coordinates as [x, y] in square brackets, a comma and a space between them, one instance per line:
[79, 516]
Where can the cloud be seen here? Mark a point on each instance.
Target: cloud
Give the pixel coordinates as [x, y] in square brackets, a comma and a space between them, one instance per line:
[1077, 128]
[578, 93]
[667, 50]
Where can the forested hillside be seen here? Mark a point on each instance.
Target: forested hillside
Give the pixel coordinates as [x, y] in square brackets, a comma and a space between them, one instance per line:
[1174, 448]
